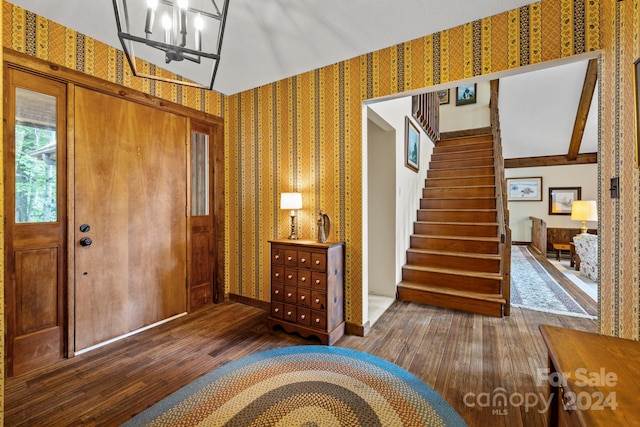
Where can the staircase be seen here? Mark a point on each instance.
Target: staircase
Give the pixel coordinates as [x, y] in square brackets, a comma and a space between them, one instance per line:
[455, 259]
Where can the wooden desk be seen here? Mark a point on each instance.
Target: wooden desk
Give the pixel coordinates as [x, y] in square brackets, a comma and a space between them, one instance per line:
[599, 375]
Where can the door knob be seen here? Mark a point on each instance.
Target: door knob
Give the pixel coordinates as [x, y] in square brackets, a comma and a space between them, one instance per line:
[85, 241]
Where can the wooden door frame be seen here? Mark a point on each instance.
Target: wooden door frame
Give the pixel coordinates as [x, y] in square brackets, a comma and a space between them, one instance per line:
[73, 78]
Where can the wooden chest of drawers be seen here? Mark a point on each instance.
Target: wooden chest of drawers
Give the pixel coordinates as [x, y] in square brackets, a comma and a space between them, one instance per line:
[307, 288]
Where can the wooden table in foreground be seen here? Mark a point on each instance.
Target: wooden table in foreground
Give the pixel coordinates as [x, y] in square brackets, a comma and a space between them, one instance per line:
[594, 379]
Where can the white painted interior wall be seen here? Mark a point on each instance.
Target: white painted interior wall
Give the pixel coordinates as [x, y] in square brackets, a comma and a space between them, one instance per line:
[381, 208]
[584, 176]
[407, 186]
[470, 116]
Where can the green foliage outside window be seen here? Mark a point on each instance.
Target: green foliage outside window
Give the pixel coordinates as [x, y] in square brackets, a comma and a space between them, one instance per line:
[36, 177]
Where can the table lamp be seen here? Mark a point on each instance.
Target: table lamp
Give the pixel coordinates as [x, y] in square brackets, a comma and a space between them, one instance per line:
[291, 201]
[584, 210]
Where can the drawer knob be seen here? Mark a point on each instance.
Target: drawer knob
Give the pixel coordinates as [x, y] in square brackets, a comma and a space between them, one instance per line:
[289, 277]
[289, 258]
[317, 300]
[317, 320]
[289, 313]
[303, 260]
[277, 274]
[277, 292]
[289, 295]
[277, 257]
[276, 310]
[303, 317]
[317, 281]
[317, 262]
[303, 297]
[304, 279]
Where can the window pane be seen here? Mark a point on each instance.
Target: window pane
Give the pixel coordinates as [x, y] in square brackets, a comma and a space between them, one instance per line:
[199, 174]
[36, 155]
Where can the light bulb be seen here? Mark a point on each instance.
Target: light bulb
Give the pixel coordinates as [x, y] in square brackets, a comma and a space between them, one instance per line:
[152, 4]
[198, 22]
[166, 21]
[183, 4]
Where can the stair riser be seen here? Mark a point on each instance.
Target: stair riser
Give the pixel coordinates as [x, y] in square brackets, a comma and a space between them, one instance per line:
[464, 140]
[456, 230]
[455, 303]
[454, 245]
[457, 216]
[449, 173]
[432, 203]
[458, 182]
[449, 261]
[459, 192]
[458, 155]
[452, 164]
[441, 149]
[452, 281]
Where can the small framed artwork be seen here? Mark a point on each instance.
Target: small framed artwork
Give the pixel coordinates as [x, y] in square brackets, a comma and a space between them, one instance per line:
[411, 145]
[637, 95]
[524, 189]
[466, 94]
[561, 199]
[443, 96]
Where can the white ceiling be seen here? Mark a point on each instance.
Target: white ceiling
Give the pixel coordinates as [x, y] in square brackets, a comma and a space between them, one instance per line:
[538, 110]
[268, 40]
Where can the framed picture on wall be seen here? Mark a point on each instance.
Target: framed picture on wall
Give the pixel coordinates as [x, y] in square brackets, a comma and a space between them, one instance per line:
[524, 189]
[466, 94]
[636, 69]
[411, 145]
[561, 199]
[443, 96]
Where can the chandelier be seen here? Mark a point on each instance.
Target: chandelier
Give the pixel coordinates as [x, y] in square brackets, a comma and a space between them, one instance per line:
[181, 36]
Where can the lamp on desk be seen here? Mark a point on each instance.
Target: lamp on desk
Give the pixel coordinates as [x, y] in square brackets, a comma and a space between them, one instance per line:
[291, 201]
[584, 210]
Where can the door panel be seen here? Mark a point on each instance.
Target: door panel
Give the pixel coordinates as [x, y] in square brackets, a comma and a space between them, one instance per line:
[35, 226]
[201, 272]
[130, 189]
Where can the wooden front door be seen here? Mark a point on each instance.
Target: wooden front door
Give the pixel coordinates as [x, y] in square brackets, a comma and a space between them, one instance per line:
[35, 225]
[130, 216]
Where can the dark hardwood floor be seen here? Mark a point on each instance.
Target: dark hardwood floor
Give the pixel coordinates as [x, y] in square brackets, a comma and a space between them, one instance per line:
[457, 354]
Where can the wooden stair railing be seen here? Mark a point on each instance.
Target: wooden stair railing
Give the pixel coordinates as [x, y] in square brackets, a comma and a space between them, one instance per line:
[425, 109]
[501, 197]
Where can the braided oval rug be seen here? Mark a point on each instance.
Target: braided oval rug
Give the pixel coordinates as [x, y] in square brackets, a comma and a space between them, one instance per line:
[303, 386]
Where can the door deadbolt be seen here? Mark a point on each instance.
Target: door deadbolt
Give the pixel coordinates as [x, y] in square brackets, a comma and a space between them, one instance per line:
[85, 241]
[85, 227]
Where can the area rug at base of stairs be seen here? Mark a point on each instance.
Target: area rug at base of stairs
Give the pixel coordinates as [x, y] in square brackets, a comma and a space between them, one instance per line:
[304, 386]
[533, 287]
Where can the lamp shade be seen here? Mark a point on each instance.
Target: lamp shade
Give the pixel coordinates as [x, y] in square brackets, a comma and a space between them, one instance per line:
[291, 201]
[584, 210]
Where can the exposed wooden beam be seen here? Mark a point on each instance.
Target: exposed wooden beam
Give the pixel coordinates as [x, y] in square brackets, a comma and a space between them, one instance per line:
[561, 160]
[588, 88]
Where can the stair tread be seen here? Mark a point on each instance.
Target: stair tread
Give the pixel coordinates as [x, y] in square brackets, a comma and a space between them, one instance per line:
[455, 271]
[444, 178]
[460, 186]
[480, 239]
[453, 292]
[457, 160]
[466, 151]
[455, 253]
[457, 210]
[479, 224]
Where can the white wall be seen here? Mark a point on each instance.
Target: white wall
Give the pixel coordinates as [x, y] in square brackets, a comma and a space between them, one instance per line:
[408, 184]
[381, 208]
[584, 176]
[470, 116]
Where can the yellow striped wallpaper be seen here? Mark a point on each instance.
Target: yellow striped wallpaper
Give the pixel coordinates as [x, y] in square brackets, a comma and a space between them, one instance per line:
[305, 133]
[314, 139]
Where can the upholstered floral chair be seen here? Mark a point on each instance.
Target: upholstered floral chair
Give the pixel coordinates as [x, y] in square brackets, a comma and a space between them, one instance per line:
[587, 250]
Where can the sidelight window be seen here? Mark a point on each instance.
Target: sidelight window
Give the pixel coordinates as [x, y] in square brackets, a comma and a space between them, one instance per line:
[35, 157]
[199, 174]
